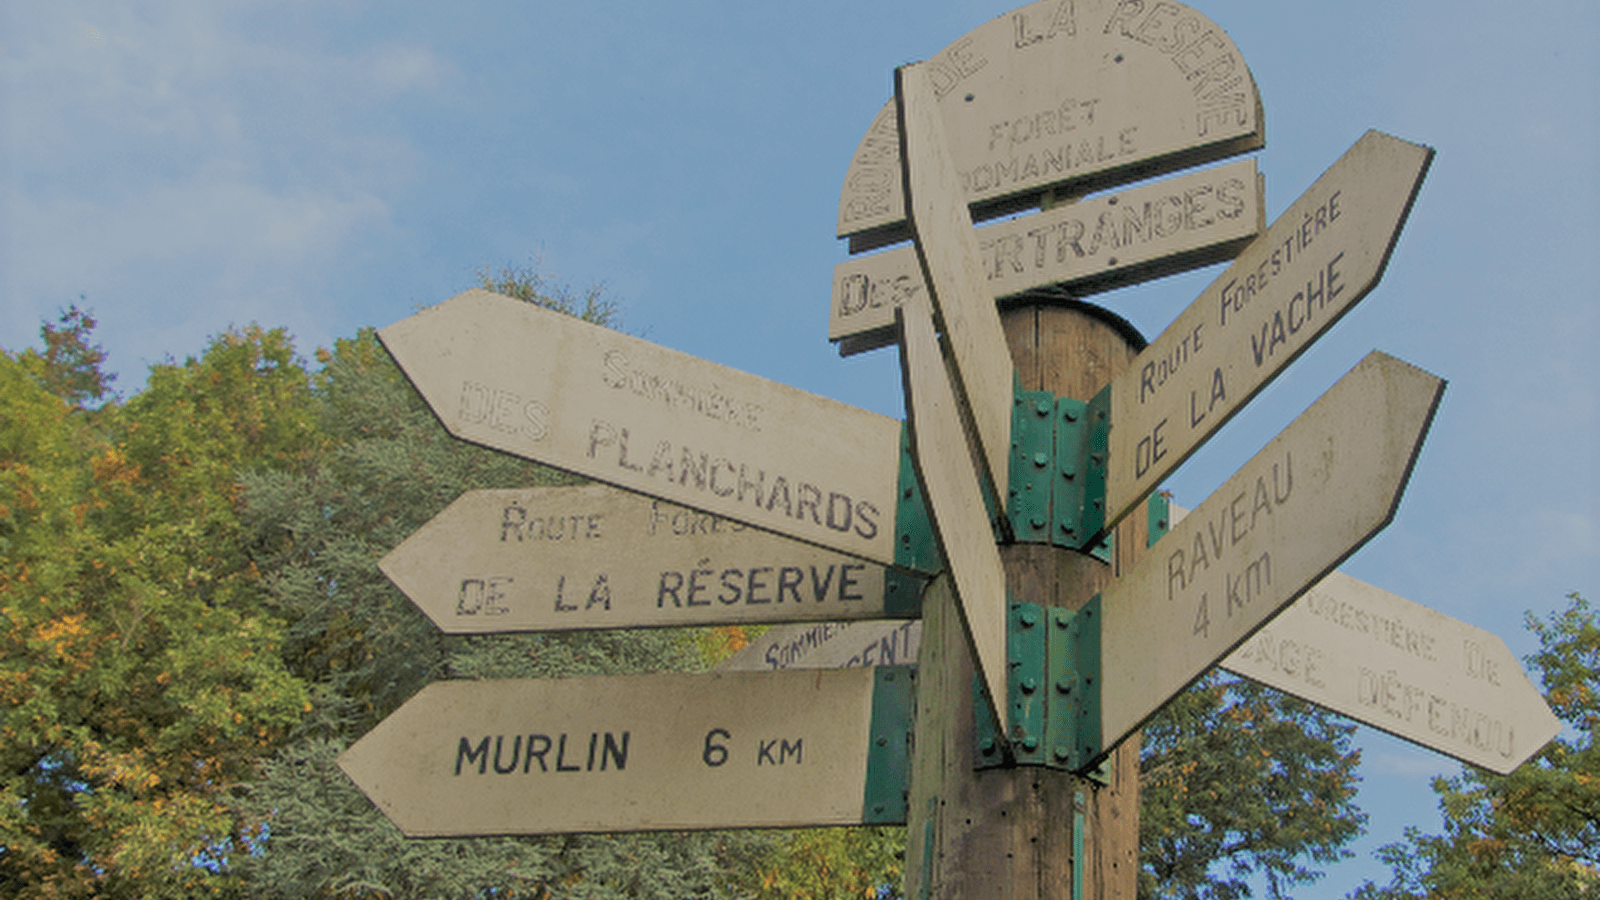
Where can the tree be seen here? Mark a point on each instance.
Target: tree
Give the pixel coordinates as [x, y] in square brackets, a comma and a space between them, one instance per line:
[1239, 779]
[1534, 833]
[69, 367]
[139, 677]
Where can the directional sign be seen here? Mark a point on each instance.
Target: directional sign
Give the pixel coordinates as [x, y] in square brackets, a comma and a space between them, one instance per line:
[594, 556]
[947, 250]
[1288, 287]
[948, 477]
[1071, 96]
[1096, 244]
[829, 645]
[637, 753]
[551, 388]
[1402, 668]
[1314, 495]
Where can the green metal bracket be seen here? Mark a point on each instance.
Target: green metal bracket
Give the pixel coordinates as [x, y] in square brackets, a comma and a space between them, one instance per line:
[1053, 690]
[915, 548]
[1032, 471]
[1158, 514]
[1076, 643]
[889, 753]
[1099, 446]
[902, 594]
[1057, 489]
[1027, 654]
[1070, 441]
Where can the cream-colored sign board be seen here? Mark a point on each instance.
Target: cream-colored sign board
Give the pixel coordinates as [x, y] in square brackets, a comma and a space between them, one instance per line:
[1402, 668]
[1144, 232]
[1310, 498]
[595, 556]
[1069, 94]
[948, 476]
[628, 753]
[829, 645]
[554, 389]
[1290, 285]
[947, 249]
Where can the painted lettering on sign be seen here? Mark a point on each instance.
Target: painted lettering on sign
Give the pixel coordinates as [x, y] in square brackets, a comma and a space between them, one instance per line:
[1207, 59]
[517, 526]
[701, 586]
[1008, 134]
[1092, 245]
[898, 647]
[1215, 537]
[768, 752]
[505, 411]
[1032, 26]
[520, 753]
[1125, 226]
[1299, 662]
[1390, 631]
[1052, 163]
[705, 400]
[785, 654]
[1395, 697]
[724, 477]
[668, 519]
[871, 187]
[952, 66]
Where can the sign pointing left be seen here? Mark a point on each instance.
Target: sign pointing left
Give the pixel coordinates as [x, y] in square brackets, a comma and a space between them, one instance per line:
[593, 556]
[554, 389]
[666, 751]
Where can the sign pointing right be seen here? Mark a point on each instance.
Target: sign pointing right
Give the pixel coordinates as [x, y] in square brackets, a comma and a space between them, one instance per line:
[1308, 500]
[1290, 285]
[1402, 668]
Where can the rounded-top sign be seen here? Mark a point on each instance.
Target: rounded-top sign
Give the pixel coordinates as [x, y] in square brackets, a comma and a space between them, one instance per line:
[1065, 94]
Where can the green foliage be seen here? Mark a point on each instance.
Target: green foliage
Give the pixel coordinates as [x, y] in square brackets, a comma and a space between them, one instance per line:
[1237, 779]
[69, 367]
[1534, 833]
[828, 863]
[139, 674]
[529, 285]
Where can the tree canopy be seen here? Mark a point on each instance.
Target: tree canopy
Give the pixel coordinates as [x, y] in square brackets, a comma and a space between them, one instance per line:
[140, 674]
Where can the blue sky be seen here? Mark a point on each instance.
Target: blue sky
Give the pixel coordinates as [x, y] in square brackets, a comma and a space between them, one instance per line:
[187, 166]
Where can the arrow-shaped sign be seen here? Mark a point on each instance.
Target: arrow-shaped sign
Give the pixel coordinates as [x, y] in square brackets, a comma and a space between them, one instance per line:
[1288, 287]
[1313, 496]
[554, 389]
[654, 752]
[595, 556]
[947, 250]
[1402, 668]
[948, 477]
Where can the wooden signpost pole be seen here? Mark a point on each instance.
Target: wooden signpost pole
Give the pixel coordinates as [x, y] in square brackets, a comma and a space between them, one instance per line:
[1023, 832]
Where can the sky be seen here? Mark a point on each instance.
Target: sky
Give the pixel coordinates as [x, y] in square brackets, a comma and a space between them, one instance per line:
[185, 167]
